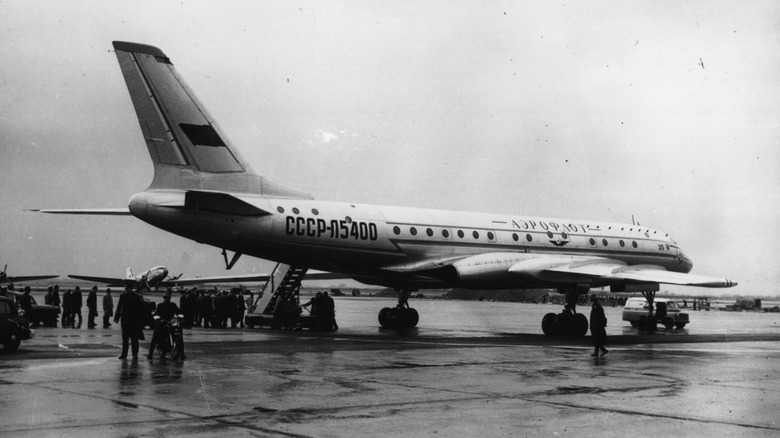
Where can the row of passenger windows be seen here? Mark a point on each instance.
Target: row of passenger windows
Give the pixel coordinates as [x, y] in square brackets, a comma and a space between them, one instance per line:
[446, 234]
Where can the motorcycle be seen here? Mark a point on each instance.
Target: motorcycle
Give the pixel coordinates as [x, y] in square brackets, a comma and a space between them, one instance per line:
[169, 337]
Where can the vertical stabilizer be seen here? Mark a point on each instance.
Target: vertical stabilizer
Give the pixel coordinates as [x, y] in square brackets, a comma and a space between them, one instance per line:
[188, 149]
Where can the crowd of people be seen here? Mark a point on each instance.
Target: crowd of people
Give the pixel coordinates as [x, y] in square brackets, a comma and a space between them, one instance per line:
[206, 308]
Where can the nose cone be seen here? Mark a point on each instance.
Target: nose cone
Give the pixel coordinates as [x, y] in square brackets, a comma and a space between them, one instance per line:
[686, 264]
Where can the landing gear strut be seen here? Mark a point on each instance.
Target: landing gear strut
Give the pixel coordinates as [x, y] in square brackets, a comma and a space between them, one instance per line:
[402, 316]
[650, 321]
[568, 322]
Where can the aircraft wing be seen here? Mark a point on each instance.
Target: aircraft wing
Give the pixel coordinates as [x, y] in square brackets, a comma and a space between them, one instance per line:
[610, 271]
[122, 211]
[315, 275]
[106, 280]
[29, 278]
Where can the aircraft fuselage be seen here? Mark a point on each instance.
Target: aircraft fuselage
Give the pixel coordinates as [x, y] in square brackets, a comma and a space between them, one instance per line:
[362, 239]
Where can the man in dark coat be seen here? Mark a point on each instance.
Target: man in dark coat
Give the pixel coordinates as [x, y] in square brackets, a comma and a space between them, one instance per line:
[76, 302]
[67, 316]
[92, 307]
[598, 324]
[166, 311]
[132, 311]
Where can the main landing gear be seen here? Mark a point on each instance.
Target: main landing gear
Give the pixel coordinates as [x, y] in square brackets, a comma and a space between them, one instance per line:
[568, 322]
[402, 316]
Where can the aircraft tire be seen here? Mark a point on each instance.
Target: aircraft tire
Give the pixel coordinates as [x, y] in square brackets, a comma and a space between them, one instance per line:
[580, 325]
[385, 318]
[548, 324]
[410, 318]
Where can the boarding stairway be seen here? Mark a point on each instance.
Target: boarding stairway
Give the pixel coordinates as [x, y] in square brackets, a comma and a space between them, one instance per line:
[285, 281]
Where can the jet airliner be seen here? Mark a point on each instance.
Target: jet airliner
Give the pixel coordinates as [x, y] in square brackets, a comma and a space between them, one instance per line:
[204, 189]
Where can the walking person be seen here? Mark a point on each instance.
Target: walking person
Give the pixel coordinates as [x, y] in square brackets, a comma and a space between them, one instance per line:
[131, 311]
[92, 307]
[108, 308]
[598, 327]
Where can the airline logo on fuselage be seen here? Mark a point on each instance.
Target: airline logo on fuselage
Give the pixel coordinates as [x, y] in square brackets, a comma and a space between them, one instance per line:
[334, 229]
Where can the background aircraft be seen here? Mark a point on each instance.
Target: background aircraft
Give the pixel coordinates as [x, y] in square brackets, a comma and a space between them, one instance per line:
[4, 278]
[158, 277]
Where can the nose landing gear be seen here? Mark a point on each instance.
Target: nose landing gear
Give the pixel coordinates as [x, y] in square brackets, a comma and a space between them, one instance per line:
[402, 316]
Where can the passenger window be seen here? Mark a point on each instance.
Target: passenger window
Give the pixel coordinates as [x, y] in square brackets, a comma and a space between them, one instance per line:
[529, 238]
[475, 234]
[445, 233]
[396, 230]
[460, 233]
[429, 232]
[413, 230]
[514, 237]
[604, 241]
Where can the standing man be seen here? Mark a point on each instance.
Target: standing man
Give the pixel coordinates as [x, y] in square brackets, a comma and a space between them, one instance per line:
[108, 308]
[67, 317]
[92, 307]
[25, 301]
[598, 324]
[75, 306]
[131, 311]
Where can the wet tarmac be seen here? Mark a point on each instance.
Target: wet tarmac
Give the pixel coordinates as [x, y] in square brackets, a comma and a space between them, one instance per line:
[470, 369]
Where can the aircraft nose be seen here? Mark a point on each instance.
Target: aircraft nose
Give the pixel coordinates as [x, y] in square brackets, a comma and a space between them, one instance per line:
[685, 262]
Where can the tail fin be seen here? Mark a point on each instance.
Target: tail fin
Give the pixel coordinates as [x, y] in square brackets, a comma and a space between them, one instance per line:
[129, 274]
[188, 149]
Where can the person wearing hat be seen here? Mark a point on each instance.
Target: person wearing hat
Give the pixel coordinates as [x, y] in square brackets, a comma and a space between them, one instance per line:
[598, 324]
[92, 307]
[131, 311]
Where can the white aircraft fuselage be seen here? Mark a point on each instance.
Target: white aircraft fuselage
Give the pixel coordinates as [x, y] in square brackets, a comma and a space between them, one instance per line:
[362, 240]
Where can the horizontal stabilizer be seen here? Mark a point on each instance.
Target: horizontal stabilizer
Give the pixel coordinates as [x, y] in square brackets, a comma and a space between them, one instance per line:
[123, 211]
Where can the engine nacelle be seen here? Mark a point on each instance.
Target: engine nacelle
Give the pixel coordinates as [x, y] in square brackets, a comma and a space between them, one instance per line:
[486, 270]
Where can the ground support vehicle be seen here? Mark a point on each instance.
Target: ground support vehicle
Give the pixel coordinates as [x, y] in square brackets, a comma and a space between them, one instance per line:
[14, 328]
[666, 311]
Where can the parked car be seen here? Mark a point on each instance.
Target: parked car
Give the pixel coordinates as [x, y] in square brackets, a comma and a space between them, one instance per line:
[666, 312]
[44, 314]
[14, 328]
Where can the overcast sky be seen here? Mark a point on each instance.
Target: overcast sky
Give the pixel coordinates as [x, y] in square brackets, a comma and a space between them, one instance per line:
[667, 111]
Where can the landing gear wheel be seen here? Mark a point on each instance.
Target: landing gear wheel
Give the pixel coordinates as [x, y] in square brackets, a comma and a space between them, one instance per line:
[548, 324]
[398, 318]
[580, 326]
